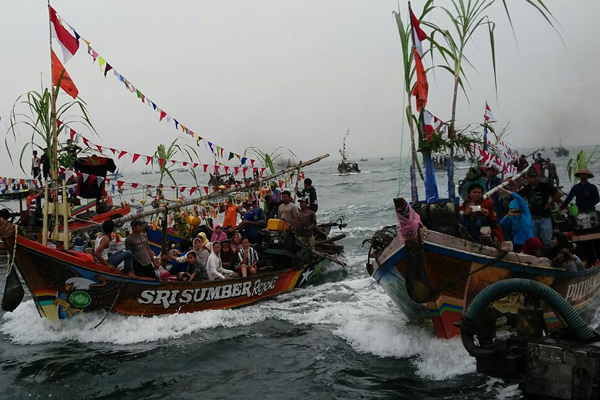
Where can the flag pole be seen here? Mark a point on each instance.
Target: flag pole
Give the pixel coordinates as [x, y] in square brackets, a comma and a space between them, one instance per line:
[413, 150]
[53, 158]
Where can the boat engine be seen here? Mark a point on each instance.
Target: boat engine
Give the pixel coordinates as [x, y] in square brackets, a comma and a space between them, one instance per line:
[561, 365]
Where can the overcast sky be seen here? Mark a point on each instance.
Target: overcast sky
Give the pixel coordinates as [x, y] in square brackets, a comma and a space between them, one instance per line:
[299, 74]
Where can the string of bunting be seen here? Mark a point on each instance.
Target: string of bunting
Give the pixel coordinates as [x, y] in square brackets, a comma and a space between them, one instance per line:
[17, 181]
[105, 67]
[73, 135]
[72, 176]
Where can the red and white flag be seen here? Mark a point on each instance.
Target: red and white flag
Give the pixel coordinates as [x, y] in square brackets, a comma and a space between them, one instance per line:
[68, 42]
[417, 33]
[432, 124]
[488, 116]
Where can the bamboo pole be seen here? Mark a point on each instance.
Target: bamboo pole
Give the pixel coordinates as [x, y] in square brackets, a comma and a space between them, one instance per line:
[185, 203]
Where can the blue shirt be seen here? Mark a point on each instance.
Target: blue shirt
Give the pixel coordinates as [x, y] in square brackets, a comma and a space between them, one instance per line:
[250, 230]
[520, 225]
[586, 197]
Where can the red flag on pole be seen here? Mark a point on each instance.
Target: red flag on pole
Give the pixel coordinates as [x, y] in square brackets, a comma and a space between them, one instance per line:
[421, 87]
[68, 42]
[417, 32]
[66, 83]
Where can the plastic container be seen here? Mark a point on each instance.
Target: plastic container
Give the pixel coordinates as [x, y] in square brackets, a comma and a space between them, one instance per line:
[277, 225]
[573, 210]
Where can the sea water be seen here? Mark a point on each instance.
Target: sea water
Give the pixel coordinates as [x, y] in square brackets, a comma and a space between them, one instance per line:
[341, 338]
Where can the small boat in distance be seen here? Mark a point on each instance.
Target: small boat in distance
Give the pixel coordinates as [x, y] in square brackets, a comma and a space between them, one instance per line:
[346, 166]
[364, 159]
[561, 151]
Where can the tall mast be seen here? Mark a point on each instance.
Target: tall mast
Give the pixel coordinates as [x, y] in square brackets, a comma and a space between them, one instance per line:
[54, 150]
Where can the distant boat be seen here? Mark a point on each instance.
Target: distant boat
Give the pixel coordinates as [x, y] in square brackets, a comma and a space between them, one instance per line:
[181, 170]
[364, 159]
[381, 158]
[561, 151]
[346, 166]
[146, 172]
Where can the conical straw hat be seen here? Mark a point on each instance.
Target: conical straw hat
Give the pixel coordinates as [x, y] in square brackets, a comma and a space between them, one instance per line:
[584, 171]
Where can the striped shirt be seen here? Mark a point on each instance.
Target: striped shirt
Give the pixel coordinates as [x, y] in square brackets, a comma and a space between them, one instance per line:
[252, 256]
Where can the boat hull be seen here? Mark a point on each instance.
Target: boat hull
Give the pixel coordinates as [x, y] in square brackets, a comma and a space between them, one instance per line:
[64, 284]
[457, 270]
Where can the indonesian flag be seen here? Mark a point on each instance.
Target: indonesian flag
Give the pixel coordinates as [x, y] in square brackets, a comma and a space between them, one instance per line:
[66, 83]
[488, 116]
[421, 87]
[67, 41]
[432, 124]
[417, 33]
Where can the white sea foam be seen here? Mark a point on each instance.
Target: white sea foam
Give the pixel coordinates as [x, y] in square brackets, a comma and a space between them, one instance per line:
[362, 315]
[24, 326]
[355, 310]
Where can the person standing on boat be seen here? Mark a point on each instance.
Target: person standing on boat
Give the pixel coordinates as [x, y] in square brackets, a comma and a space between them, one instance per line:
[248, 224]
[310, 193]
[522, 163]
[585, 193]
[260, 213]
[287, 210]
[34, 207]
[305, 224]
[231, 212]
[518, 220]
[102, 246]
[552, 175]
[45, 160]
[36, 163]
[137, 244]
[541, 197]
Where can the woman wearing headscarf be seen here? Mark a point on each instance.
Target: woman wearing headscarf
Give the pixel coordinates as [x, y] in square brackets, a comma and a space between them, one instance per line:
[214, 266]
[518, 220]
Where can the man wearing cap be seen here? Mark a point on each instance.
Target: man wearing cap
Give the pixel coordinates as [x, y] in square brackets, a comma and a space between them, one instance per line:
[584, 192]
[305, 223]
[143, 257]
[541, 197]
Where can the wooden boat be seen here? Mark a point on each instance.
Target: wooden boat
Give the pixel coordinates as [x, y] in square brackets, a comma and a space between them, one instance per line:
[67, 283]
[436, 275]
[346, 166]
[561, 151]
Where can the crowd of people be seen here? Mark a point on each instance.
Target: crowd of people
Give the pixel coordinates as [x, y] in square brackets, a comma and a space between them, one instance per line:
[522, 210]
[232, 250]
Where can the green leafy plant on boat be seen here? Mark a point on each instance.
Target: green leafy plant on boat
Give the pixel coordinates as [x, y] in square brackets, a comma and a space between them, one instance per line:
[582, 160]
[164, 154]
[32, 111]
[267, 160]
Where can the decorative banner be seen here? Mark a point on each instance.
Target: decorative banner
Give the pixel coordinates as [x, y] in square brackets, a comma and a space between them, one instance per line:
[75, 176]
[105, 67]
[147, 159]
